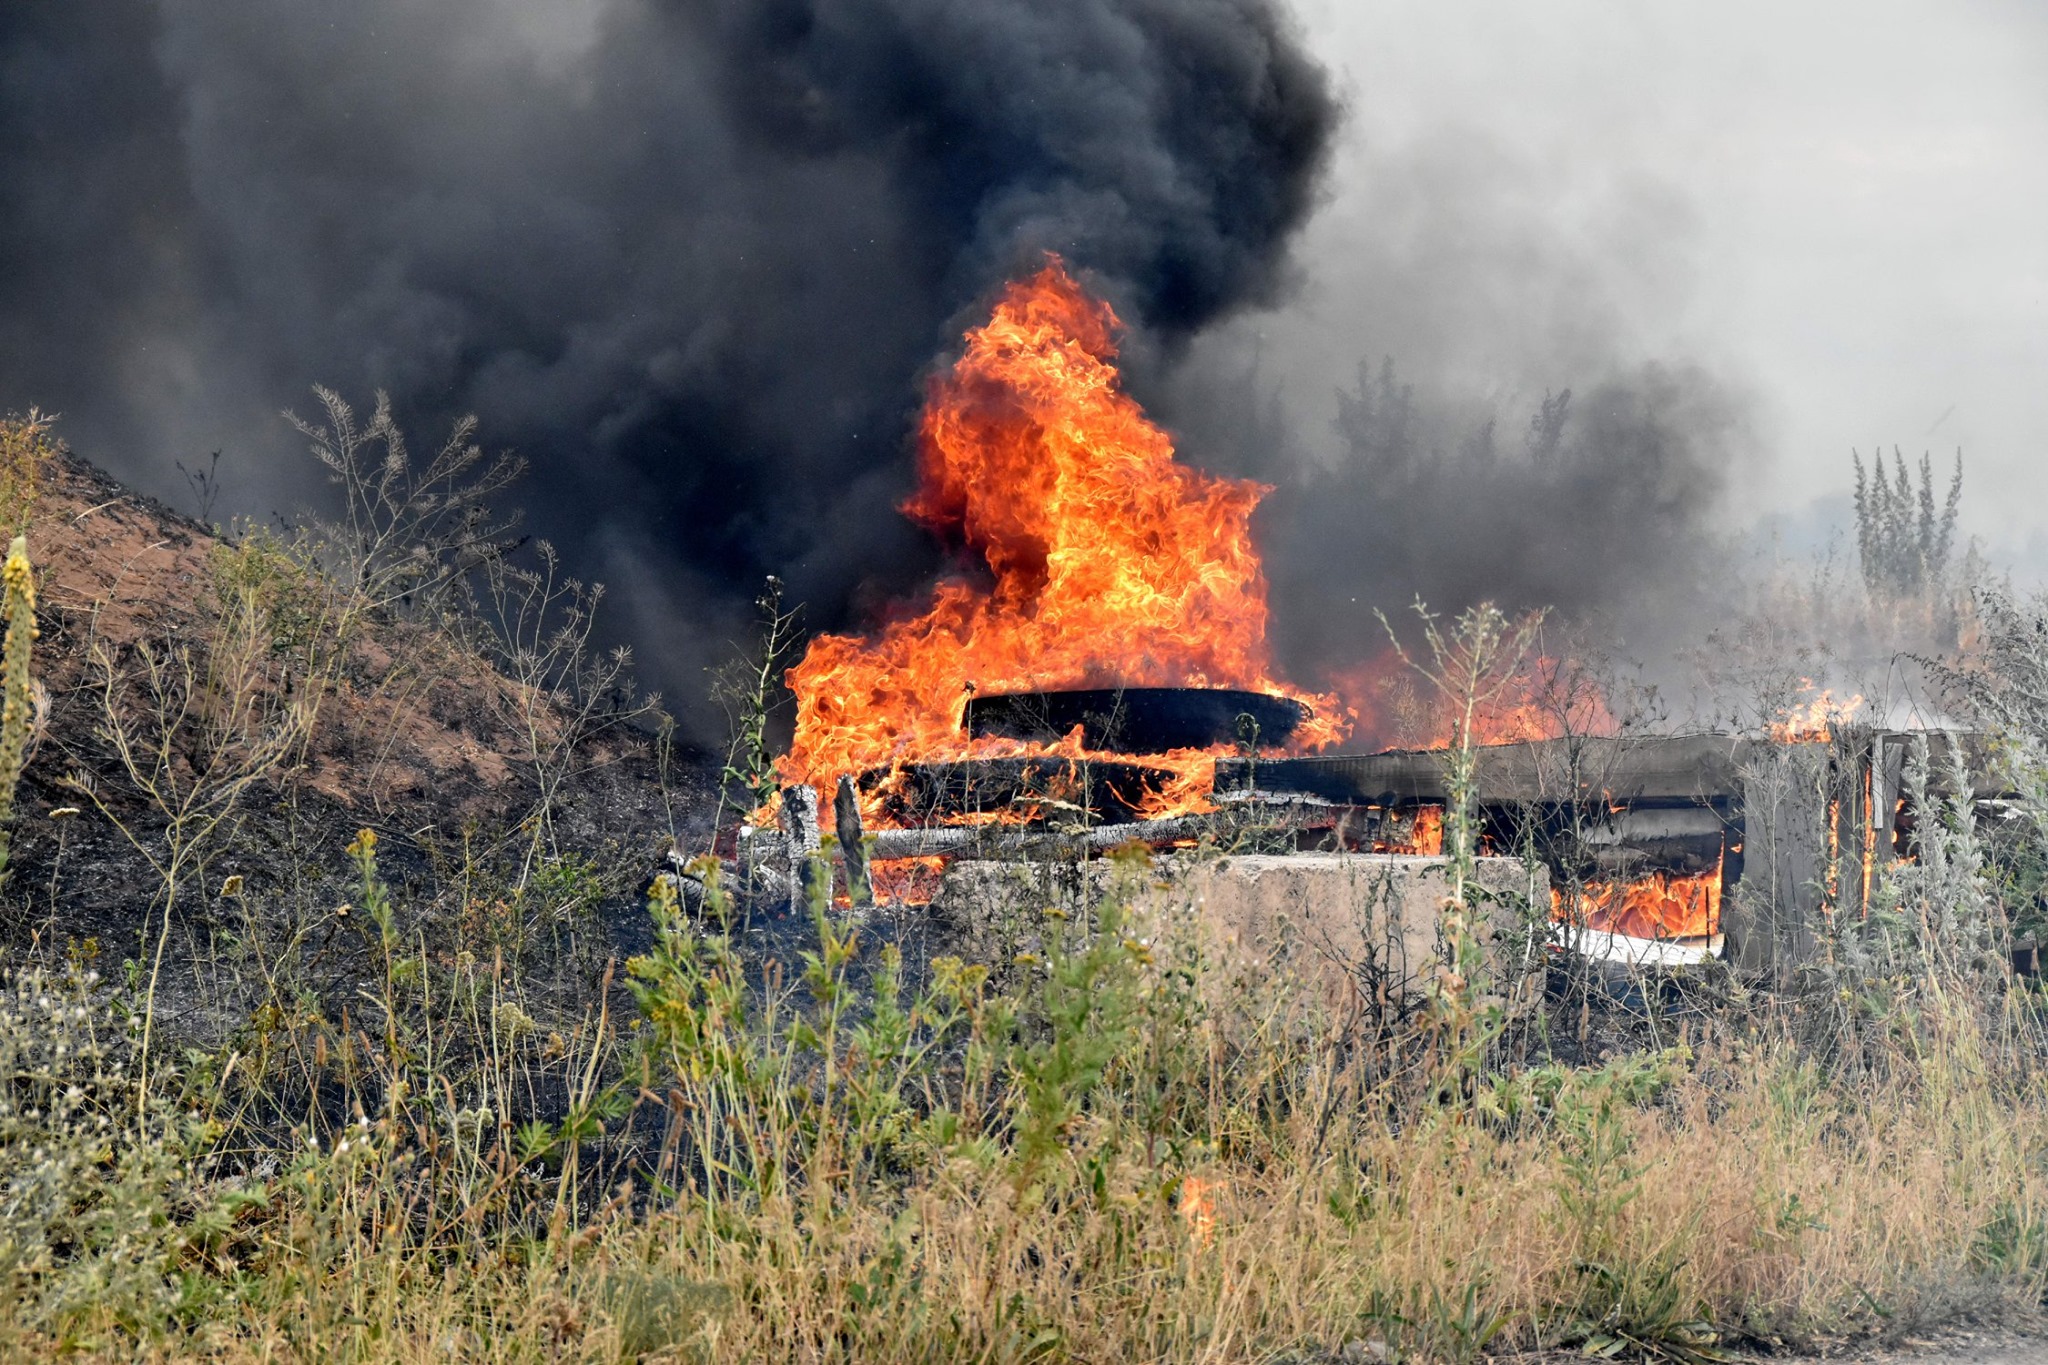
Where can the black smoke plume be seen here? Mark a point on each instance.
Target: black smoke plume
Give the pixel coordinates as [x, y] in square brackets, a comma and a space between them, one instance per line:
[690, 257]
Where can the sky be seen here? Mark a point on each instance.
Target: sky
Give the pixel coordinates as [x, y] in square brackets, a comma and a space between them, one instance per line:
[1840, 208]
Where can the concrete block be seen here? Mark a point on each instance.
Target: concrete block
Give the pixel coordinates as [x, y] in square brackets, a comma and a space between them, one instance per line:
[1362, 931]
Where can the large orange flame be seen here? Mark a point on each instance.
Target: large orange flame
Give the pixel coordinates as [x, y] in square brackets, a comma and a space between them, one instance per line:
[1109, 563]
[1659, 905]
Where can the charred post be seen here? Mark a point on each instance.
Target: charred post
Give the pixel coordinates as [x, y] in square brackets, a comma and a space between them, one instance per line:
[800, 828]
[853, 849]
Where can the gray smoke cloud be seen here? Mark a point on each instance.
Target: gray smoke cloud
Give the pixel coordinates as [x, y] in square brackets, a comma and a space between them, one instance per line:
[1603, 504]
[690, 258]
[1476, 401]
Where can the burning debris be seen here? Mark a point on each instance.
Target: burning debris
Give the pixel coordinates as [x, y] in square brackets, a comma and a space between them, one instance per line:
[1661, 905]
[1102, 678]
[1109, 566]
[1815, 719]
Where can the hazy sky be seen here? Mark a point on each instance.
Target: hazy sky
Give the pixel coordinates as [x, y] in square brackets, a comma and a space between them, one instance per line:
[1840, 207]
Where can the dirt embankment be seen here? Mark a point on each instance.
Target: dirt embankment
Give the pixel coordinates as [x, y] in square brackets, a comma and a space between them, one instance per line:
[171, 657]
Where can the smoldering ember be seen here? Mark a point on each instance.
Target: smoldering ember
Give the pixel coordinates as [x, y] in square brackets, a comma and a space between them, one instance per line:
[1097, 680]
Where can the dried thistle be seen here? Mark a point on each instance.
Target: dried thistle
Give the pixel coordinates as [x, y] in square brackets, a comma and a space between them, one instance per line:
[25, 447]
[18, 710]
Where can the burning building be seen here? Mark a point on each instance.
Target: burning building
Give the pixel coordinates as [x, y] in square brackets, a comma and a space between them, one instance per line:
[1101, 676]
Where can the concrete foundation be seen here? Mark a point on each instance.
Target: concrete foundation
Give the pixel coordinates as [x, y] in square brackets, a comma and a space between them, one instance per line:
[1361, 932]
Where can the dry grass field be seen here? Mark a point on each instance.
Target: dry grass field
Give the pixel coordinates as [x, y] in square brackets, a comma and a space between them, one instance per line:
[323, 1040]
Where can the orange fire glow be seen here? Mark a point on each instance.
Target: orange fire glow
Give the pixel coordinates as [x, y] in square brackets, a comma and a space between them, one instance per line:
[1814, 721]
[1545, 698]
[1198, 1207]
[1420, 832]
[1660, 905]
[906, 881]
[1107, 563]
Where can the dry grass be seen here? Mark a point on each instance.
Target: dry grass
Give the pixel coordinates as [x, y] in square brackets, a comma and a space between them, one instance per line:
[1110, 1148]
[809, 1185]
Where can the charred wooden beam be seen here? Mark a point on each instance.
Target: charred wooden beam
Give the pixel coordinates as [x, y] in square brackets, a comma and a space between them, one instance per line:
[853, 849]
[1687, 768]
[1887, 788]
[1139, 720]
[1107, 790]
[984, 840]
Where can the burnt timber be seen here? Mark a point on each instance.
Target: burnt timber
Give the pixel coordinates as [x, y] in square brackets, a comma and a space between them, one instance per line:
[1798, 829]
[1688, 768]
[1139, 720]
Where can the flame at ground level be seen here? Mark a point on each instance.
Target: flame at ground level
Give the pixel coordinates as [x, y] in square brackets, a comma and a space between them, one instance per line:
[1660, 905]
[1418, 832]
[907, 881]
[1108, 563]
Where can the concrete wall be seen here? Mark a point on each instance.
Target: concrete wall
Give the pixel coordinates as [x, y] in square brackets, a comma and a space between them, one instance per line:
[1360, 931]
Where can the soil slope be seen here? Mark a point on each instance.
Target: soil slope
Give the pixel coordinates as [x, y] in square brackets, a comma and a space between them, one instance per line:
[415, 736]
